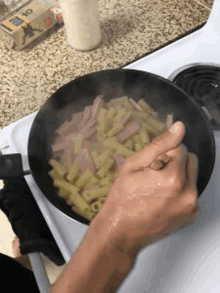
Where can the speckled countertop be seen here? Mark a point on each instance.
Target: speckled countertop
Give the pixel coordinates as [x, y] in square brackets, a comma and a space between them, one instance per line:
[130, 29]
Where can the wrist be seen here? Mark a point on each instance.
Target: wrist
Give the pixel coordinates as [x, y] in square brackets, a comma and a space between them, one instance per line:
[98, 264]
[108, 227]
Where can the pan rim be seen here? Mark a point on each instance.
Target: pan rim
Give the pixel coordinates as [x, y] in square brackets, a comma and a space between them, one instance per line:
[192, 101]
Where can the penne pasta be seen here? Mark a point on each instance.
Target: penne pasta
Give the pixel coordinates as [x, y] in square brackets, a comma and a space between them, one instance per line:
[73, 172]
[95, 156]
[115, 129]
[155, 123]
[124, 151]
[147, 108]
[69, 187]
[144, 136]
[93, 145]
[104, 170]
[88, 197]
[111, 113]
[102, 121]
[78, 142]
[119, 148]
[55, 175]
[103, 158]
[151, 129]
[120, 114]
[101, 136]
[107, 181]
[60, 169]
[91, 182]
[89, 213]
[100, 191]
[121, 100]
[96, 206]
[129, 144]
[85, 176]
[138, 147]
[78, 201]
[141, 116]
[137, 138]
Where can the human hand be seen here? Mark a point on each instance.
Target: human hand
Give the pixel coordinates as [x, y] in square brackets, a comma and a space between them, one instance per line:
[144, 205]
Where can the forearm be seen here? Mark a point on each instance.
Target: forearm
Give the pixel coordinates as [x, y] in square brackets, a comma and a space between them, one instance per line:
[98, 265]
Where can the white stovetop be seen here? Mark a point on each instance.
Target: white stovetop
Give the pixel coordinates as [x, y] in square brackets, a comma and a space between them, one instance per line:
[189, 260]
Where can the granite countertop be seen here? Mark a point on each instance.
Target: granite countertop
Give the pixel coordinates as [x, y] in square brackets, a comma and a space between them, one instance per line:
[130, 29]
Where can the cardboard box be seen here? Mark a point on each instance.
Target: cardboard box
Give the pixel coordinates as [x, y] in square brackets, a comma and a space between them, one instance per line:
[27, 24]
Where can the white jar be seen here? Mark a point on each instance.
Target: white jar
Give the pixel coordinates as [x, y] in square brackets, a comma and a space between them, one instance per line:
[81, 19]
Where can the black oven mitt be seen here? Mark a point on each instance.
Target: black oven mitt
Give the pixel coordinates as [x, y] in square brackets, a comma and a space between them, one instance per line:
[19, 205]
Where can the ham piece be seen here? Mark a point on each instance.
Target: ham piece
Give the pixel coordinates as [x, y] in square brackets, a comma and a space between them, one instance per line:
[70, 151]
[87, 145]
[71, 126]
[86, 130]
[70, 136]
[60, 146]
[86, 115]
[128, 131]
[62, 127]
[84, 161]
[97, 105]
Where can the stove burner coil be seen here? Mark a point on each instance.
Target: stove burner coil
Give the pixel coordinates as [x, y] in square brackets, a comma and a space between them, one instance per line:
[202, 82]
[199, 81]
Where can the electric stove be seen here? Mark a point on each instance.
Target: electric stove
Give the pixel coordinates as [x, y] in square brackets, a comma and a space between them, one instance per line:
[188, 260]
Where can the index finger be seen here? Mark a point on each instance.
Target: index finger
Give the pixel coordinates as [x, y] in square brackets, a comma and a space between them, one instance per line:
[165, 142]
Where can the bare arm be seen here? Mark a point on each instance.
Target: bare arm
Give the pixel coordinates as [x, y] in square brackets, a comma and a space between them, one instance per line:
[142, 207]
[98, 265]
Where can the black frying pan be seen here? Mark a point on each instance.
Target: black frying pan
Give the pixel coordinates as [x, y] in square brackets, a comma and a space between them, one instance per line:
[161, 94]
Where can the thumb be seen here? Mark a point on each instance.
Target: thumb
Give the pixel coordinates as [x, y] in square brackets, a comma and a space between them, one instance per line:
[165, 142]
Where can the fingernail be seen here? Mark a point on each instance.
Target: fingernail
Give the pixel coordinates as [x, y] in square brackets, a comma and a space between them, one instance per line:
[174, 128]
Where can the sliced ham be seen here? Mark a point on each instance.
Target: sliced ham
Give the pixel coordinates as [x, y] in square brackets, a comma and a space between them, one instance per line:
[97, 105]
[128, 131]
[84, 161]
[87, 145]
[70, 136]
[60, 146]
[86, 115]
[89, 133]
[89, 125]
[63, 127]
[70, 151]
[72, 125]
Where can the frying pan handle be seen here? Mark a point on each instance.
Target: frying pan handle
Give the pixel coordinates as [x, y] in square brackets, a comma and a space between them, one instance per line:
[11, 166]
